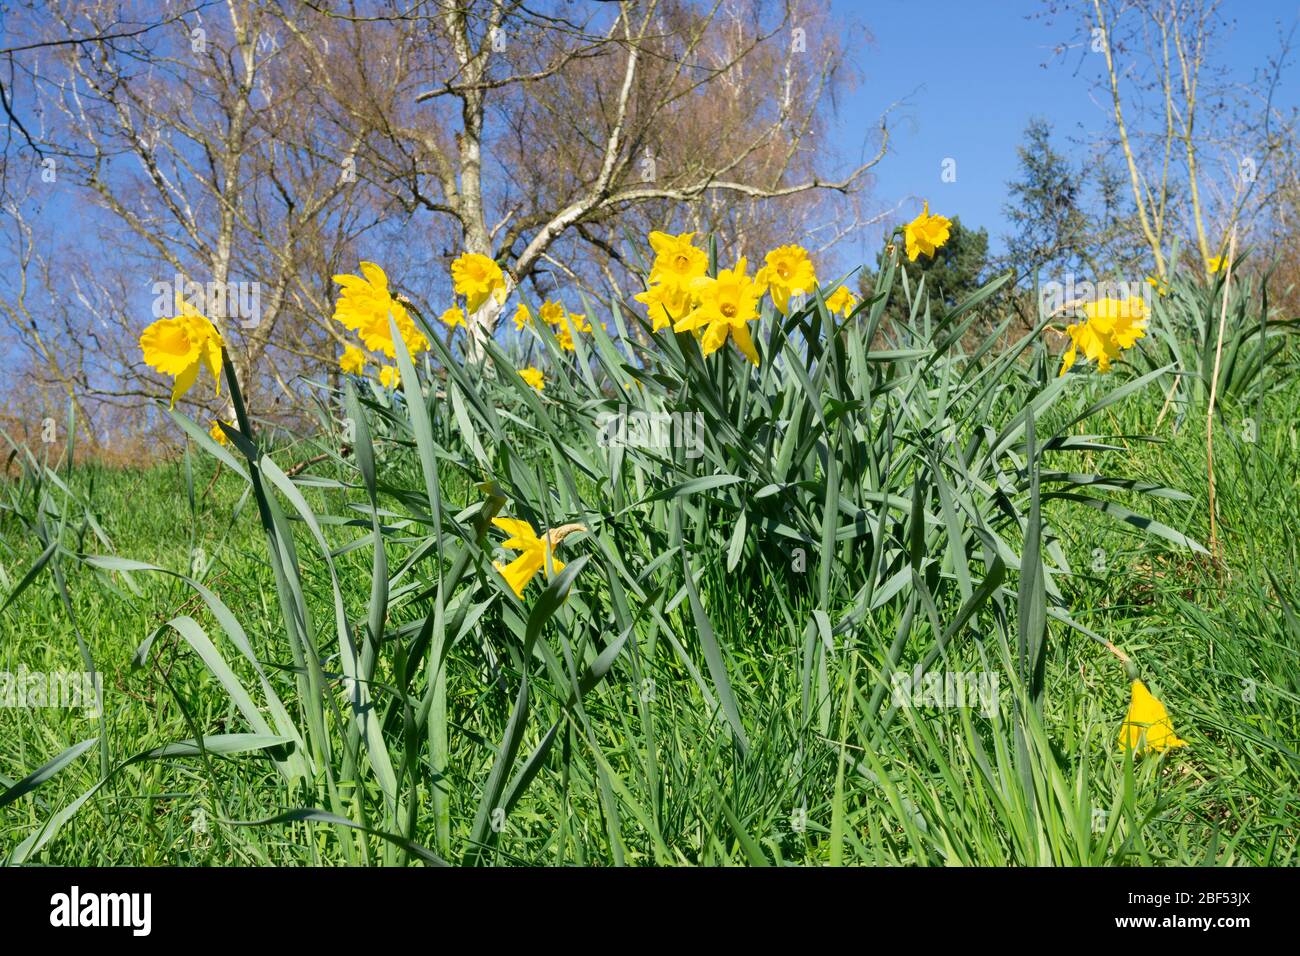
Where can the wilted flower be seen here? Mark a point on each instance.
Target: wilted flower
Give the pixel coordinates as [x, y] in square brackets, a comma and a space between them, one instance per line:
[364, 307]
[788, 271]
[926, 233]
[1147, 726]
[180, 346]
[476, 277]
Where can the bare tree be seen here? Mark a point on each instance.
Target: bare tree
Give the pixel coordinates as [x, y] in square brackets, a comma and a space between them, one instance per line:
[1204, 153]
[274, 144]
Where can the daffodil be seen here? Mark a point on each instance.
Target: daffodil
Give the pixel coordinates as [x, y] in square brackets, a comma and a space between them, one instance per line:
[726, 304]
[1109, 327]
[926, 233]
[788, 271]
[364, 306]
[522, 317]
[564, 336]
[535, 552]
[552, 313]
[353, 360]
[180, 346]
[842, 301]
[217, 434]
[1161, 287]
[533, 376]
[678, 262]
[476, 277]
[452, 317]
[389, 376]
[1215, 264]
[667, 301]
[1147, 726]
[581, 322]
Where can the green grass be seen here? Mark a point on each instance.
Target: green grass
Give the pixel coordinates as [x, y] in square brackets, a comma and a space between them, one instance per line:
[647, 766]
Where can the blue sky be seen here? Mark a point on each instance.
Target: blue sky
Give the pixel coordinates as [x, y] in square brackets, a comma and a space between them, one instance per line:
[971, 73]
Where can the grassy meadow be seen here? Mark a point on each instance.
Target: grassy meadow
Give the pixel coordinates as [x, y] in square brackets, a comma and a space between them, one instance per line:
[321, 666]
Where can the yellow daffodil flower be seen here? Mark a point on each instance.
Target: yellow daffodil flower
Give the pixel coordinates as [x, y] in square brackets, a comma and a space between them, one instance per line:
[533, 377]
[364, 306]
[1161, 287]
[1147, 726]
[535, 552]
[452, 317]
[1109, 327]
[678, 262]
[353, 360]
[522, 317]
[389, 376]
[564, 336]
[667, 301]
[180, 346]
[581, 322]
[726, 304]
[842, 301]
[1215, 264]
[552, 313]
[926, 233]
[476, 277]
[217, 434]
[788, 271]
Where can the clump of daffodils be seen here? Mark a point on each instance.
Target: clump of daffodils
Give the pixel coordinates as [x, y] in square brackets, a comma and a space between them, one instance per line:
[681, 295]
[1108, 327]
[562, 322]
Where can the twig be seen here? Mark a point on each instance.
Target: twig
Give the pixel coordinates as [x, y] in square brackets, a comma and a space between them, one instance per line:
[1169, 398]
[304, 465]
[1214, 390]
